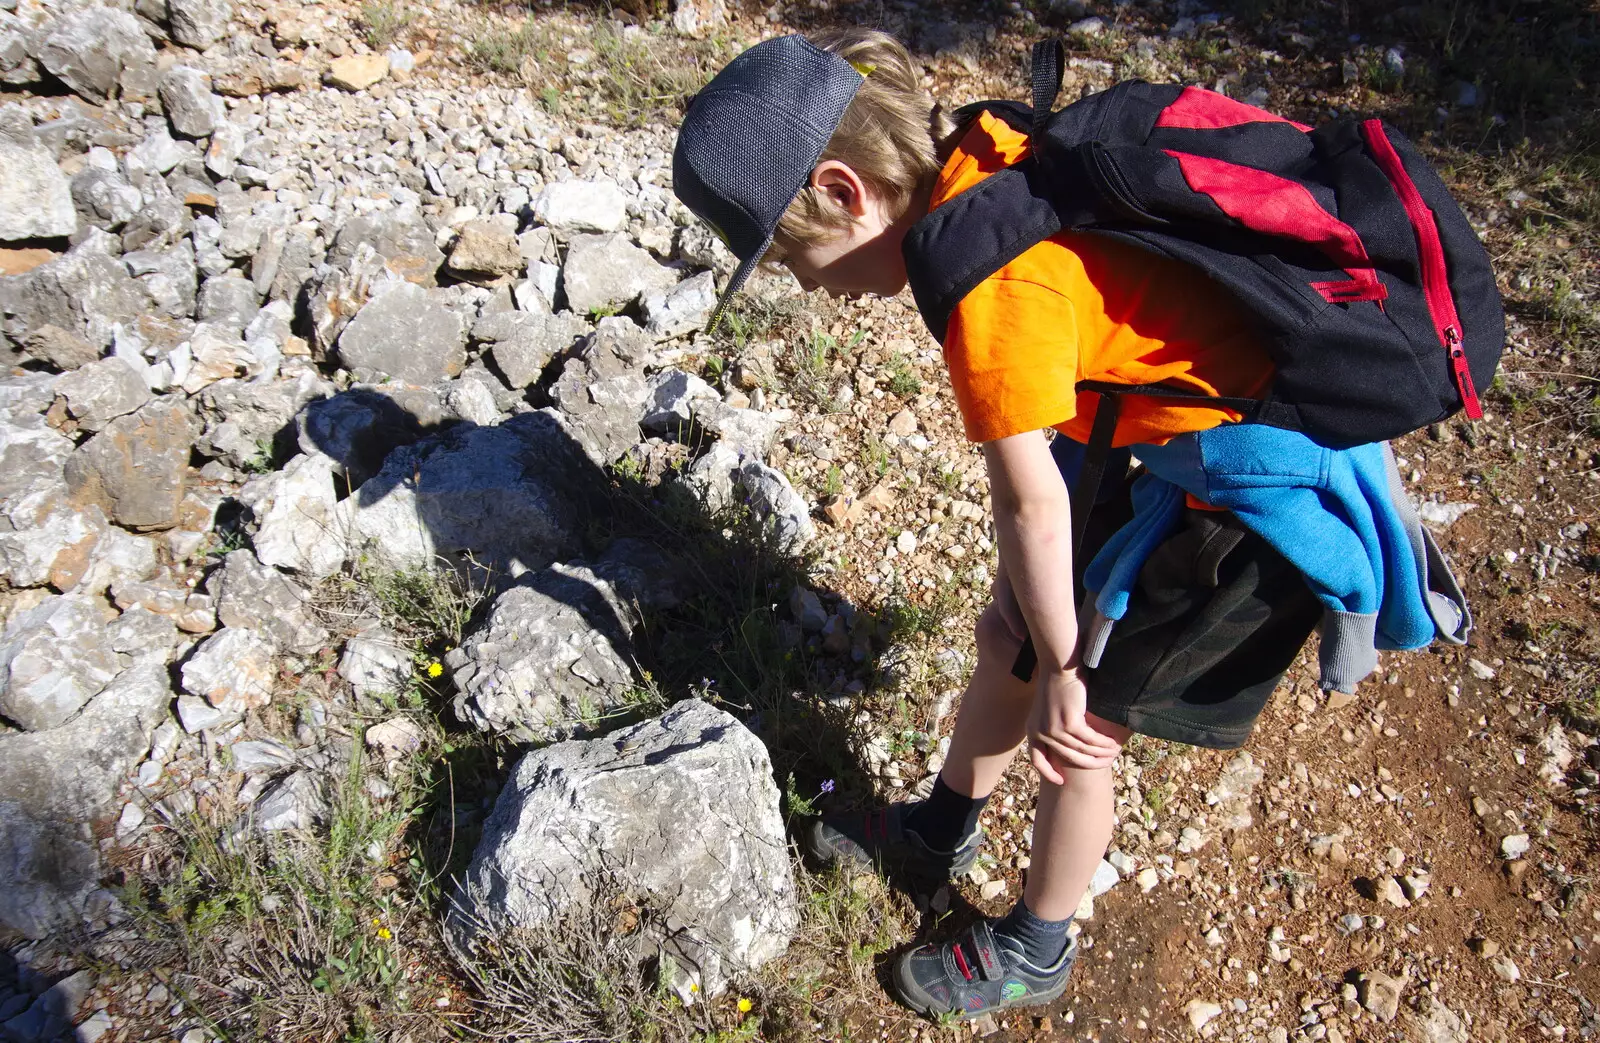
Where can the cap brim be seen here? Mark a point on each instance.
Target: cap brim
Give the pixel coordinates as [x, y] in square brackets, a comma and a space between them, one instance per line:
[740, 274]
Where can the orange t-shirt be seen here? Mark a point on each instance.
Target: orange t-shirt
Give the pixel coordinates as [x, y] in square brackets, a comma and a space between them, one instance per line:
[1083, 307]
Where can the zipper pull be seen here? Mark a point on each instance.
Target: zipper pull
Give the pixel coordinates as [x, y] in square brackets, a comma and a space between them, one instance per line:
[1462, 373]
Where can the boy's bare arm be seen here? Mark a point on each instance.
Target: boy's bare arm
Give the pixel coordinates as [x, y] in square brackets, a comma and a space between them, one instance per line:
[1033, 525]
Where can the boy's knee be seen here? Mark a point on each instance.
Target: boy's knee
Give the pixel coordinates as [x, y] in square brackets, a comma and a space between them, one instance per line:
[995, 639]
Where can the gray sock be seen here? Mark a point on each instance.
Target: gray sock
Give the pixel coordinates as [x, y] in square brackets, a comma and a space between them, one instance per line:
[1042, 941]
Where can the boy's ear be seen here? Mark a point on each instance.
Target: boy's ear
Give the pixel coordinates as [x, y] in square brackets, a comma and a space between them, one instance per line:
[841, 185]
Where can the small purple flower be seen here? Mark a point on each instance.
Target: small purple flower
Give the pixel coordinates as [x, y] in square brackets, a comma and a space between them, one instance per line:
[827, 785]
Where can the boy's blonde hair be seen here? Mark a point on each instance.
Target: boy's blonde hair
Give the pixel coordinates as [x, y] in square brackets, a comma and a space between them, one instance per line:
[891, 135]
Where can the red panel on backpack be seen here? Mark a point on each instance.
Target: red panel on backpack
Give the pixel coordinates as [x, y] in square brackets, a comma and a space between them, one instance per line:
[1276, 206]
[1198, 109]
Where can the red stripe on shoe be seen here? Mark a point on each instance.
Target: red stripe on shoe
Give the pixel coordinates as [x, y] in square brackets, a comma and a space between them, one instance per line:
[961, 962]
[1200, 109]
[1284, 209]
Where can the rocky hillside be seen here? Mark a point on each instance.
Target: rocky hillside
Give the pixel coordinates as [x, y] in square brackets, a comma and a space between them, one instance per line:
[371, 503]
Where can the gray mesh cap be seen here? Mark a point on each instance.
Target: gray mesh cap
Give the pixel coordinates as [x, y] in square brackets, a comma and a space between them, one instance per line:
[751, 138]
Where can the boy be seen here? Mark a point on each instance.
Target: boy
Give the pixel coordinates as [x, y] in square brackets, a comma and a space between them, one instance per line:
[820, 155]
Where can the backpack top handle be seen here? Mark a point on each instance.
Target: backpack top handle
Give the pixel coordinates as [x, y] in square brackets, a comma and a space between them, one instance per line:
[1049, 66]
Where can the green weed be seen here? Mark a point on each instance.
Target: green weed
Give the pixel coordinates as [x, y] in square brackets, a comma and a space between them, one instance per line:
[903, 380]
[261, 462]
[505, 50]
[644, 76]
[310, 913]
[382, 21]
[754, 317]
[875, 456]
[430, 606]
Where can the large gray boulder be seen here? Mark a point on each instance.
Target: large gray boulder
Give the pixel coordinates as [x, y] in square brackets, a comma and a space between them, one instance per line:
[553, 656]
[35, 196]
[609, 272]
[227, 300]
[57, 347]
[681, 810]
[358, 429]
[232, 670]
[248, 421]
[685, 308]
[54, 784]
[603, 397]
[198, 23]
[186, 96]
[512, 496]
[32, 455]
[169, 276]
[100, 392]
[377, 662]
[486, 250]
[97, 50]
[253, 596]
[45, 539]
[726, 476]
[400, 238]
[26, 391]
[405, 334]
[582, 206]
[104, 197]
[135, 470]
[86, 292]
[302, 527]
[17, 44]
[53, 659]
[523, 343]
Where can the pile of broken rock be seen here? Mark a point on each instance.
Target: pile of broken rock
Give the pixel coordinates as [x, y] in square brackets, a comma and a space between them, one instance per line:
[414, 329]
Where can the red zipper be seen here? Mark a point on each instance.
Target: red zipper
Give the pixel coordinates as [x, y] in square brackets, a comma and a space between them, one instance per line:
[1435, 276]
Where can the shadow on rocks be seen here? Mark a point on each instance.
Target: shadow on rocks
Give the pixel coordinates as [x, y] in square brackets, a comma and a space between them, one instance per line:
[692, 600]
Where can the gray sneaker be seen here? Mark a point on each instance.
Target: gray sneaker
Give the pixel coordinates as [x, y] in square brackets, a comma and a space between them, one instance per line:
[880, 838]
[978, 973]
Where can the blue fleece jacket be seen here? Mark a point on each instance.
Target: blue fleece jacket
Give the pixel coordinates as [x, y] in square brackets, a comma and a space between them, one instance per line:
[1341, 516]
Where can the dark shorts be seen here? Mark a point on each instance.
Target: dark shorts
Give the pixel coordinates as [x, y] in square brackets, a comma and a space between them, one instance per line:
[1215, 620]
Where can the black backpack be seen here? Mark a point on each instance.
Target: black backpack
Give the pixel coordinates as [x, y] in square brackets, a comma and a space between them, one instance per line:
[1376, 299]
[1377, 302]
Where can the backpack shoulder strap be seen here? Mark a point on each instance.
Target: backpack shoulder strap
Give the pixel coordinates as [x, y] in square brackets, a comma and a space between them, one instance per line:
[969, 238]
[1062, 185]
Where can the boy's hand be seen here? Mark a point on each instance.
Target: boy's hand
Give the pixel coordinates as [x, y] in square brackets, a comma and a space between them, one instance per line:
[1060, 736]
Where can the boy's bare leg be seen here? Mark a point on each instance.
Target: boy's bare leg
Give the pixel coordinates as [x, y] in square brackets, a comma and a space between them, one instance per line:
[993, 718]
[1073, 822]
[1071, 830]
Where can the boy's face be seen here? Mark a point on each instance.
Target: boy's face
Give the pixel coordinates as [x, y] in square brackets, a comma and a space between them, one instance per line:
[849, 265]
[860, 258]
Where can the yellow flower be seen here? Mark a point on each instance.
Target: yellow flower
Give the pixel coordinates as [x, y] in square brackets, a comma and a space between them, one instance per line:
[745, 1004]
[434, 669]
[384, 933]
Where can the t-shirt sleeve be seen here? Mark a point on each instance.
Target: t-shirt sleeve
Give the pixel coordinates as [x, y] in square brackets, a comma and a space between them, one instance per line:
[1012, 351]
